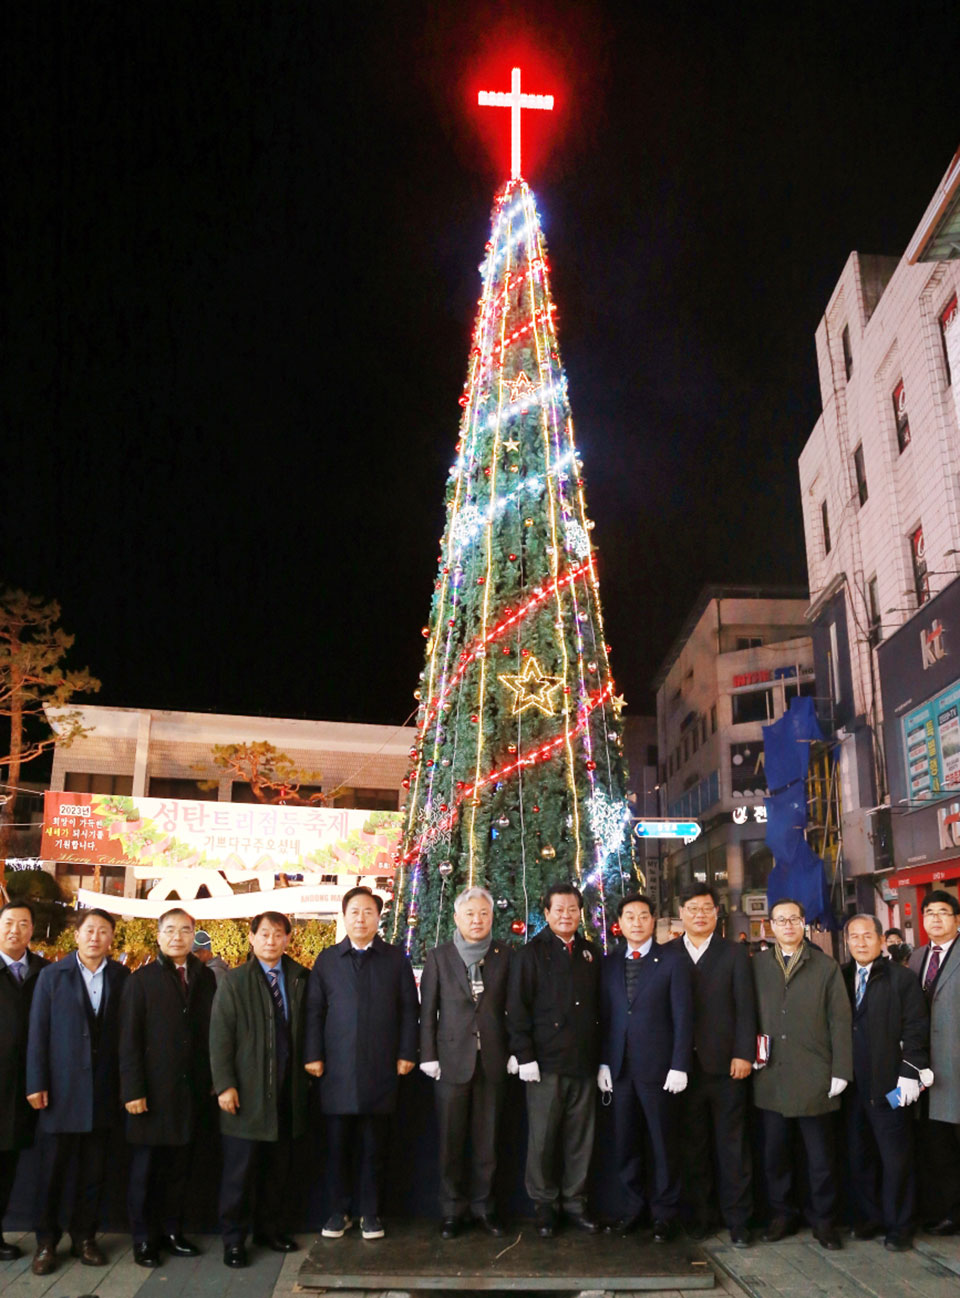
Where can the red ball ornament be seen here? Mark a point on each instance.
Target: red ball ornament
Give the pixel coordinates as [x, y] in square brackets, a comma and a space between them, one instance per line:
[591, 766]
[512, 558]
[474, 718]
[406, 782]
[481, 580]
[615, 929]
[425, 632]
[518, 927]
[511, 748]
[535, 807]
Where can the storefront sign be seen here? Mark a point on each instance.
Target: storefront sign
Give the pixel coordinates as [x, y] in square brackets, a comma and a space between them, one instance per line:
[931, 746]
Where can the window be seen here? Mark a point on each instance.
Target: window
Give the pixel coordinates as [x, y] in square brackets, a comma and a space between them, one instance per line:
[861, 473]
[804, 690]
[670, 764]
[165, 786]
[713, 719]
[847, 351]
[947, 315]
[652, 755]
[899, 399]
[686, 748]
[95, 782]
[757, 864]
[695, 738]
[874, 631]
[749, 641]
[753, 705]
[367, 799]
[703, 730]
[242, 791]
[918, 554]
[663, 772]
[825, 524]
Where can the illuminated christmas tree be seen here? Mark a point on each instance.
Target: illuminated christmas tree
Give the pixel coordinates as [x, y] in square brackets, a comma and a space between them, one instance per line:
[517, 775]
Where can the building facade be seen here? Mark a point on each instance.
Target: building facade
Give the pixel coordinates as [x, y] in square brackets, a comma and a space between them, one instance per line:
[880, 485]
[741, 656]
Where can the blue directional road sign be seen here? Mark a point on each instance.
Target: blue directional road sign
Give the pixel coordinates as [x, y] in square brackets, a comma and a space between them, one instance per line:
[688, 830]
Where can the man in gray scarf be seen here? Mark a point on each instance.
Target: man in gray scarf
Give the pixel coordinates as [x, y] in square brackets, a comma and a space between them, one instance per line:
[463, 1045]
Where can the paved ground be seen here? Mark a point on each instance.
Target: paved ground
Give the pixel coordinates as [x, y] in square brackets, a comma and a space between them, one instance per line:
[796, 1268]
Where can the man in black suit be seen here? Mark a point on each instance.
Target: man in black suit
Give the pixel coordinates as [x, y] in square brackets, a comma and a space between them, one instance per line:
[552, 1023]
[724, 1047]
[165, 1084]
[937, 965]
[646, 1015]
[361, 1038]
[19, 967]
[73, 1082]
[891, 1032]
[463, 1047]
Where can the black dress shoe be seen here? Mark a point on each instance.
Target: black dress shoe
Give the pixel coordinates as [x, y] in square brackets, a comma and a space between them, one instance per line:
[740, 1236]
[450, 1227]
[898, 1241]
[583, 1222]
[491, 1223]
[663, 1231]
[88, 1251]
[779, 1228]
[44, 1260]
[698, 1230]
[8, 1252]
[828, 1236]
[865, 1230]
[235, 1256]
[945, 1227]
[145, 1254]
[179, 1246]
[545, 1221]
[624, 1225]
[277, 1243]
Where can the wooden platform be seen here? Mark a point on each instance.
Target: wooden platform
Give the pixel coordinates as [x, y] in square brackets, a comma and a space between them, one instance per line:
[414, 1257]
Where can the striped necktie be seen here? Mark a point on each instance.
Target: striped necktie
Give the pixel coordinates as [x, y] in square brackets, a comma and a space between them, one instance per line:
[861, 984]
[273, 978]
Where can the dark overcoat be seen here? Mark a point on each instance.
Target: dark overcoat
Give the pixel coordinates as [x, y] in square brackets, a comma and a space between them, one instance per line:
[17, 1119]
[724, 1004]
[451, 1021]
[898, 1024]
[809, 1023]
[165, 1050]
[553, 1005]
[654, 1032]
[84, 1092]
[359, 1024]
[243, 1050]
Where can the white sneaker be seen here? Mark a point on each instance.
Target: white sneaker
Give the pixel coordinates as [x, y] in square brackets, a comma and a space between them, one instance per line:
[336, 1226]
[371, 1228]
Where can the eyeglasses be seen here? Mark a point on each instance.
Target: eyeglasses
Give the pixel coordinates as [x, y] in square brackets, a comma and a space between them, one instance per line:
[939, 914]
[700, 910]
[785, 920]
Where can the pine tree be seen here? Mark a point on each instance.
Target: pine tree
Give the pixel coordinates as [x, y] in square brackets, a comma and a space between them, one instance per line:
[517, 776]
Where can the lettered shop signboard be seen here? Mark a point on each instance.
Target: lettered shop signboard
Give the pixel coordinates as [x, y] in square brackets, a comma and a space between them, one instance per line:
[296, 859]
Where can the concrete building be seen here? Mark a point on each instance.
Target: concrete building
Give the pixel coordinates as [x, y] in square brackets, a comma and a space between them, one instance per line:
[880, 483]
[740, 657]
[643, 791]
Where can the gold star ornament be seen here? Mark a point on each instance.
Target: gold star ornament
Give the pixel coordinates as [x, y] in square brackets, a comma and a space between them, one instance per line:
[618, 703]
[532, 688]
[521, 387]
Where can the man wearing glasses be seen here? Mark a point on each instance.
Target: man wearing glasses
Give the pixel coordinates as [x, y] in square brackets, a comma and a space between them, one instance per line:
[937, 965]
[724, 1047]
[804, 1011]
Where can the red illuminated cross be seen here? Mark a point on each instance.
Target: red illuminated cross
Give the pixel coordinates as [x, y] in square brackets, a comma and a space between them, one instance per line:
[514, 101]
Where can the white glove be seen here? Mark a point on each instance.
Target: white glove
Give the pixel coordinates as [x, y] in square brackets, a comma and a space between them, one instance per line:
[676, 1081]
[926, 1077]
[605, 1078]
[432, 1069]
[837, 1087]
[909, 1090]
[512, 1066]
[530, 1072]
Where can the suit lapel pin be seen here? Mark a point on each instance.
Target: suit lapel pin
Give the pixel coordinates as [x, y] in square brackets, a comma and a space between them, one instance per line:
[588, 956]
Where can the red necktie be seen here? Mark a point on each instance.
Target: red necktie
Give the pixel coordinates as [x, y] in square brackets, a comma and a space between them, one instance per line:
[933, 966]
[569, 946]
[181, 971]
[635, 955]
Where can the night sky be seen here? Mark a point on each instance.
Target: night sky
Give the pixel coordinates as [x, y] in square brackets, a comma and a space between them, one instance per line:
[241, 250]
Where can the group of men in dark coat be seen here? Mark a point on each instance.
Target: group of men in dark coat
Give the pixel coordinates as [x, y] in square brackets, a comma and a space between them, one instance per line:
[671, 1033]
